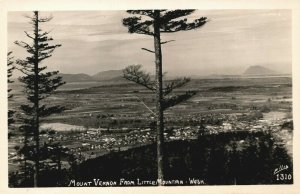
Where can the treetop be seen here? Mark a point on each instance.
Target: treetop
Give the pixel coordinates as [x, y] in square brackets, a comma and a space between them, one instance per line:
[169, 21]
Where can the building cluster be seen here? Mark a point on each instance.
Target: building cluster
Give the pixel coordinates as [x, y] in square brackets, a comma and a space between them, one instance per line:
[93, 143]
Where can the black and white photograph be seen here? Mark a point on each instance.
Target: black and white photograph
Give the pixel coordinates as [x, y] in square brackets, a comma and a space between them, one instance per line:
[149, 98]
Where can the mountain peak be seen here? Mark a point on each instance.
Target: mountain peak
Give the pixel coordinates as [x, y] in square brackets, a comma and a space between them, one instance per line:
[259, 70]
[101, 76]
[79, 77]
[108, 75]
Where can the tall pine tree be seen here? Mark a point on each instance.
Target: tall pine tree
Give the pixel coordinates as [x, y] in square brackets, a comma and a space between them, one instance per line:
[38, 85]
[153, 23]
[10, 69]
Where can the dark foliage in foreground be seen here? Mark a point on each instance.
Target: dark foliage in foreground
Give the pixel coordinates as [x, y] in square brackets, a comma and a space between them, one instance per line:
[153, 23]
[10, 69]
[38, 84]
[219, 159]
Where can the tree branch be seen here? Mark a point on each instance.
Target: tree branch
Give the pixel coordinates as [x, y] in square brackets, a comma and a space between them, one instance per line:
[136, 25]
[174, 14]
[148, 13]
[182, 25]
[45, 19]
[28, 35]
[148, 50]
[23, 71]
[175, 84]
[135, 74]
[174, 100]
[167, 41]
[25, 45]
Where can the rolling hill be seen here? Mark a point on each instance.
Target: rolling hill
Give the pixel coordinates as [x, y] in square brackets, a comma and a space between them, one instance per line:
[108, 75]
[80, 77]
[259, 70]
[101, 76]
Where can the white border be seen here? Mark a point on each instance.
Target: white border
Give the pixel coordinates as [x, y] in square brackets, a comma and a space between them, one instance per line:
[51, 5]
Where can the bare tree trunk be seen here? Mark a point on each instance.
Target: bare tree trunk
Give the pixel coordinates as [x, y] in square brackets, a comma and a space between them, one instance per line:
[25, 159]
[36, 103]
[159, 110]
[59, 167]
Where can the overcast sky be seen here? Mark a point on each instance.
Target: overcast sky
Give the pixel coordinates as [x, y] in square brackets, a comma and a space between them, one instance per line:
[232, 40]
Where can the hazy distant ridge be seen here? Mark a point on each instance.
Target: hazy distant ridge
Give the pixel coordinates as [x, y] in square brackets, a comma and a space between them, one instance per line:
[117, 75]
[259, 70]
[101, 76]
[80, 77]
[108, 75]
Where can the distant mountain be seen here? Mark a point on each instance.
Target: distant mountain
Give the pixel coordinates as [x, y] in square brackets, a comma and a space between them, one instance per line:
[259, 70]
[80, 77]
[108, 75]
[101, 76]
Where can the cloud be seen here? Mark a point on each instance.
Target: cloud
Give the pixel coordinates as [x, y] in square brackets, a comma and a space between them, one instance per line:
[232, 40]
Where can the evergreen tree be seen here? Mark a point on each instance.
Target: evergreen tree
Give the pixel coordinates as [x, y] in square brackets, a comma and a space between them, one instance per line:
[10, 69]
[38, 85]
[153, 23]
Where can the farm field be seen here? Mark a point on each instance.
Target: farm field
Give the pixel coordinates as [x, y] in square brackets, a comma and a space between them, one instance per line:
[105, 117]
[92, 104]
